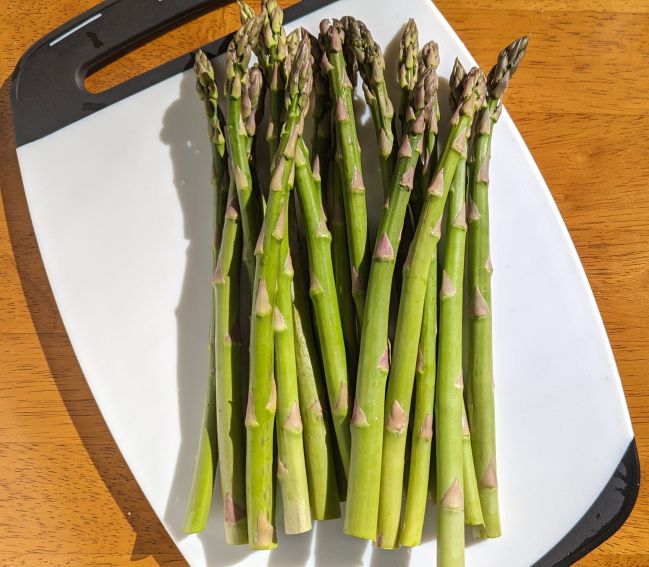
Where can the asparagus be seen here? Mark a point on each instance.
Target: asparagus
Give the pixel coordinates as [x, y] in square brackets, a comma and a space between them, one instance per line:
[228, 395]
[291, 467]
[272, 55]
[238, 59]
[408, 68]
[361, 47]
[333, 63]
[450, 383]
[206, 460]
[318, 444]
[397, 407]
[429, 57]
[480, 368]
[472, 509]
[262, 390]
[325, 303]
[421, 445]
[367, 419]
[321, 139]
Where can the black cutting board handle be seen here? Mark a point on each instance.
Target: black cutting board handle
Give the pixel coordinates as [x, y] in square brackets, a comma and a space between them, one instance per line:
[48, 83]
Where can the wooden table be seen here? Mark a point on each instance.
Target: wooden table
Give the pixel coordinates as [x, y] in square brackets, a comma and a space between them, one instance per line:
[581, 102]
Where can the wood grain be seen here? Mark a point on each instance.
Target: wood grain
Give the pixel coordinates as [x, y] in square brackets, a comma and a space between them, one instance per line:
[580, 101]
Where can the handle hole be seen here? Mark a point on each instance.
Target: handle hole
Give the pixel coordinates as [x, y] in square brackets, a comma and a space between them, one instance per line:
[173, 43]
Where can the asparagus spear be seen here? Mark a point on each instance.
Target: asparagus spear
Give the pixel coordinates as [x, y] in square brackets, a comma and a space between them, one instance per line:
[421, 445]
[397, 407]
[450, 384]
[429, 57]
[325, 303]
[408, 68]
[480, 378]
[262, 393]
[318, 443]
[333, 63]
[227, 342]
[200, 497]
[472, 509]
[321, 139]
[291, 467]
[367, 419]
[332, 198]
[360, 46]
[229, 402]
[238, 59]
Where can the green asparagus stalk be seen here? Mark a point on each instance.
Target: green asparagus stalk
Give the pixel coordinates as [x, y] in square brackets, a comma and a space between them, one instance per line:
[262, 396]
[318, 441]
[291, 466]
[421, 445]
[450, 382]
[273, 55]
[367, 419]
[408, 68]
[238, 59]
[429, 57]
[229, 402]
[202, 485]
[472, 509]
[397, 408]
[480, 370]
[227, 342]
[333, 63]
[422, 436]
[325, 303]
[360, 46]
[321, 140]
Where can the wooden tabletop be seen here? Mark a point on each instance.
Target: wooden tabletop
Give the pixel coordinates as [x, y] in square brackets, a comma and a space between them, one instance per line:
[581, 102]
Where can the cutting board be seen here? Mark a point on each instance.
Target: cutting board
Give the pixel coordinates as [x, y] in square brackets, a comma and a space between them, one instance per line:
[118, 189]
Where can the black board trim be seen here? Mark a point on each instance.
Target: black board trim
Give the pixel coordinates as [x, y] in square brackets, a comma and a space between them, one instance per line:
[47, 91]
[605, 516]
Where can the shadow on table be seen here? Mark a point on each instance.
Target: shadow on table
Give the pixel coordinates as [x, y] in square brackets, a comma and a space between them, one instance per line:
[151, 538]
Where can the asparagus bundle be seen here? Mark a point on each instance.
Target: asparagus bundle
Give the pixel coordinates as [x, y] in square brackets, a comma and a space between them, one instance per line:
[298, 365]
[202, 484]
[480, 378]
[367, 419]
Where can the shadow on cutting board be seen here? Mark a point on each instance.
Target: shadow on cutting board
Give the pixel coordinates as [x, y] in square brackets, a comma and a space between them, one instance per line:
[151, 538]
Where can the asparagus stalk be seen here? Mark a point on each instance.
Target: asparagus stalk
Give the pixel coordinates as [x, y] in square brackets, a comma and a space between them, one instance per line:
[450, 402]
[472, 509]
[397, 408]
[262, 393]
[411, 306]
[429, 57]
[273, 55]
[321, 139]
[325, 303]
[318, 443]
[206, 460]
[408, 68]
[229, 402]
[291, 467]
[360, 46]
[333, 63]
[480, 370]
[421, 445]
[238, 59]
[367, 419]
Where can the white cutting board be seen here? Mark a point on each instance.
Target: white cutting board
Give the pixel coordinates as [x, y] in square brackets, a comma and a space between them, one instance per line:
[121, 207]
